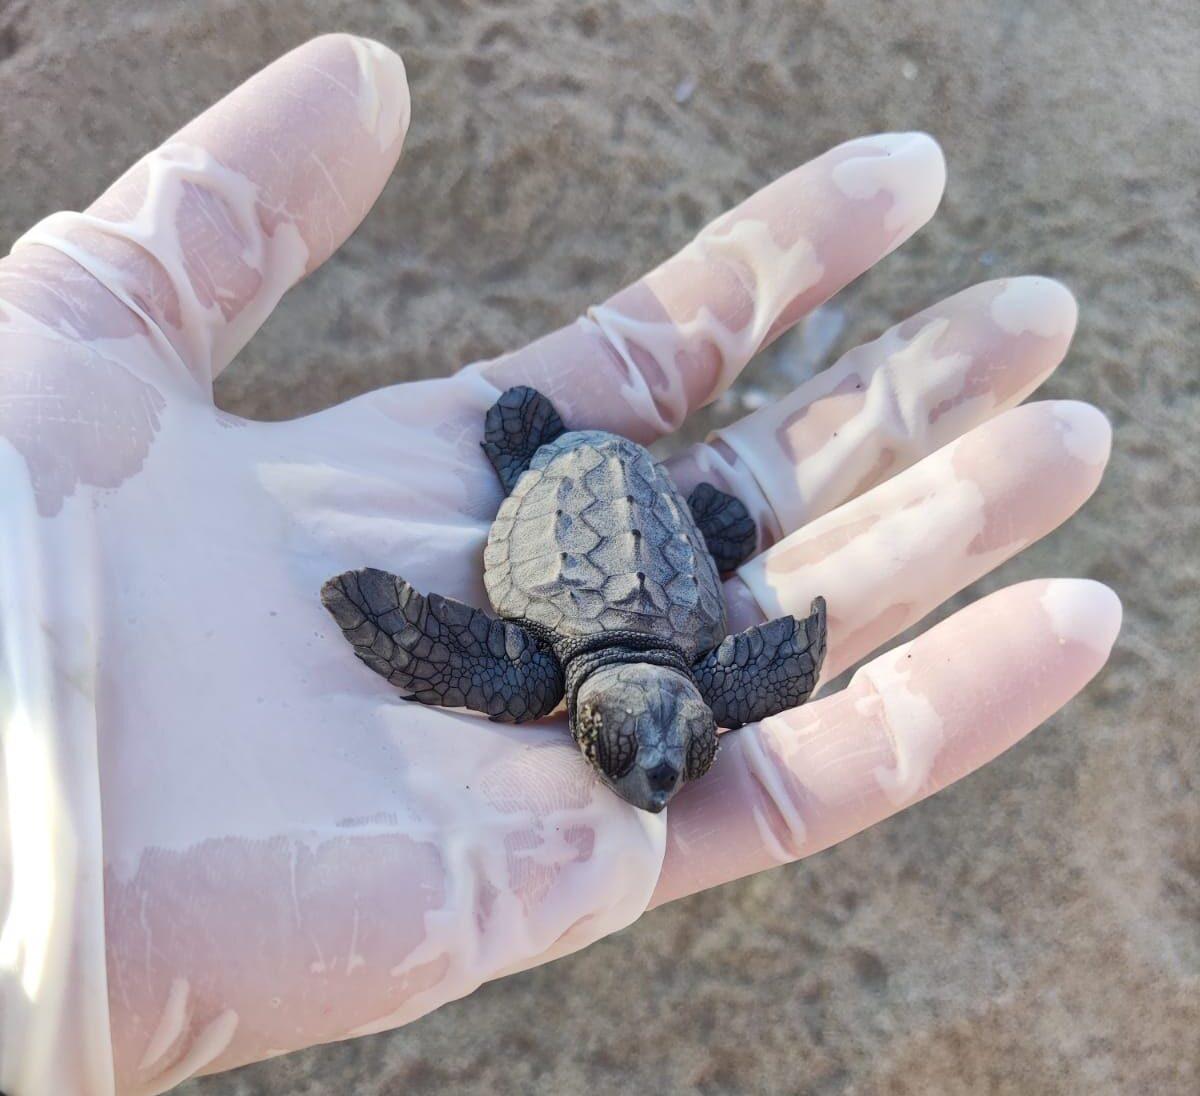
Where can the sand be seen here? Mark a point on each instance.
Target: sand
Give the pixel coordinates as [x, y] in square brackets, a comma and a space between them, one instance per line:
[1035, 928]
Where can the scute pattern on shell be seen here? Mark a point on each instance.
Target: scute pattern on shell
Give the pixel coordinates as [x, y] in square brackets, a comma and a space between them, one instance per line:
[596, 537]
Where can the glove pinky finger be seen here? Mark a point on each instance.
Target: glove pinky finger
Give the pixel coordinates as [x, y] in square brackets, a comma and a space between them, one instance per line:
[911, 722]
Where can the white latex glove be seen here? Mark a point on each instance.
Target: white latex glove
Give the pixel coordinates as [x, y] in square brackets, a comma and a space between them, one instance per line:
[222, 836]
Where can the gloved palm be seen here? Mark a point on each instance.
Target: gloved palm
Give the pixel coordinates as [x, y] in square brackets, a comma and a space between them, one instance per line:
[291, 853]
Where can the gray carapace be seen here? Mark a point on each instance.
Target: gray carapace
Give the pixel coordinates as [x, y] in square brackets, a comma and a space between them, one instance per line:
[606, 585]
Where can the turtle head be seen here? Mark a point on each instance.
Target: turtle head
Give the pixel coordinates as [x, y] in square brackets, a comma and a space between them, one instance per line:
[646, 730]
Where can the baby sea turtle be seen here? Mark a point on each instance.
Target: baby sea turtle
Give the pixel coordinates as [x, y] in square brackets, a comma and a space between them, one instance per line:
[606, 584]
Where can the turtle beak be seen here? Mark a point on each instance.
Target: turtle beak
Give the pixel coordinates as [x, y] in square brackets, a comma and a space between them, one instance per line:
[657, 801]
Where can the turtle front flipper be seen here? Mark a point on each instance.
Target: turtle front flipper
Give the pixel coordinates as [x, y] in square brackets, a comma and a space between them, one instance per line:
[518, 424]
[763, 670]
[440, 651]
[726, 525]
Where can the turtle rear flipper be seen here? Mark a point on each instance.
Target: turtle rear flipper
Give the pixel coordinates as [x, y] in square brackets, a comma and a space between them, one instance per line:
[764, 670]
[440, 651]
[518, 424]
[726, 525]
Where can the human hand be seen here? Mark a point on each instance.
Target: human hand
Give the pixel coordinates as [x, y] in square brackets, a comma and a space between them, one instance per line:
[255, 845]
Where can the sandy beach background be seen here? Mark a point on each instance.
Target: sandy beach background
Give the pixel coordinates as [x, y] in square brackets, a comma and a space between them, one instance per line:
[1036, 928]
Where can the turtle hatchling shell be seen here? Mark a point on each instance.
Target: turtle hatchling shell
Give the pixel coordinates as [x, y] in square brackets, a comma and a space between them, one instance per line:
[595, 537]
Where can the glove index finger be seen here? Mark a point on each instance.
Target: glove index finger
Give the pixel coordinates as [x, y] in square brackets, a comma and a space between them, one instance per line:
[639, 363]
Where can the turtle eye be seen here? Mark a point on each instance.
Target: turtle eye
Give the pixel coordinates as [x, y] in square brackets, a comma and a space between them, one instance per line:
[616, 748]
